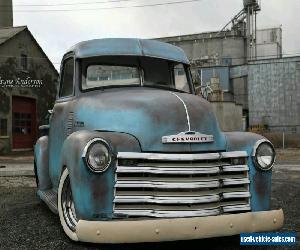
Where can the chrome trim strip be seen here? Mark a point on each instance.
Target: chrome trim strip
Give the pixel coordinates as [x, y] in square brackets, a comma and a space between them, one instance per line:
[181, 185]
[167, 185]
[168, 170]
[236, 195]
[235, 168]
[167, 200]
[186, 111]
[181, 164]
[183, 213]
[235, 181]
[181, 157]
[234, 154]
[168, 213]
[181, 169]
[233, 208]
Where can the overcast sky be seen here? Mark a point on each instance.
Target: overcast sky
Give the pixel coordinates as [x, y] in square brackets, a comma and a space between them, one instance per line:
[57, 31]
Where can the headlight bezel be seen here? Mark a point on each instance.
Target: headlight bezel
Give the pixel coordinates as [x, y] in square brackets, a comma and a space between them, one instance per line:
[258, 144]
[86, 150]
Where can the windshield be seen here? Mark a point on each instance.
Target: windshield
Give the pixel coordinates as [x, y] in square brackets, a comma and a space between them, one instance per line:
[135, 71]
[107, 75]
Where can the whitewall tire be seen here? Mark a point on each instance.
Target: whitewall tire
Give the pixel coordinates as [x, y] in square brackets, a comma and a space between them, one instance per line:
[66, 209]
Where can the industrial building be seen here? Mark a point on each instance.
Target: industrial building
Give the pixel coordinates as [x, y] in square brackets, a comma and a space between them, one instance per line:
[28, 83]
[241, 70]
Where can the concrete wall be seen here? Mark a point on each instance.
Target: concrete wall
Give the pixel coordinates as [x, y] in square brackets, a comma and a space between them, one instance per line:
[39, 68]
[274, 94]
[269, 43]
[229, 115]
[213, 48]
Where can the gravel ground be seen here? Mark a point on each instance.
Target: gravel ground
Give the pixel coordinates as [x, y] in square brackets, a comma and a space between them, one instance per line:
[26, 223]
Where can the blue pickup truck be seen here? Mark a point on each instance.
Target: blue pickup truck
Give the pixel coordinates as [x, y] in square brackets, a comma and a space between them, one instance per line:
[132, 154]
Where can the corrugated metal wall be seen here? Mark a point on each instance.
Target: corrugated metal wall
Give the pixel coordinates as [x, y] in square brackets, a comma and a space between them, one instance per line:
[274, 94]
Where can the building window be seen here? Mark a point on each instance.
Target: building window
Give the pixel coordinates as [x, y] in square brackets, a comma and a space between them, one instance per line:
[3, 127]
[22, 123]
[24, 62]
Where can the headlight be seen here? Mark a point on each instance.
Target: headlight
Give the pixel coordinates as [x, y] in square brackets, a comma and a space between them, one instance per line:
[97, 155]
[264, 155]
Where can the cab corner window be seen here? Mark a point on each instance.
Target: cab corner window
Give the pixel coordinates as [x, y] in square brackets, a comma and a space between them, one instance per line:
[66, 83]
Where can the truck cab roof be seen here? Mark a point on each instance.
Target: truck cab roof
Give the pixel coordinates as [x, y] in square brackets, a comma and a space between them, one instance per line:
[128, 47]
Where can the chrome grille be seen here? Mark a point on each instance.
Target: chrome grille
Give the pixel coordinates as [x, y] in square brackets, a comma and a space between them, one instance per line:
[181, 185]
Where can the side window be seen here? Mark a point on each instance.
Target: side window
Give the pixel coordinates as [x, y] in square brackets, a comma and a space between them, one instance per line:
[66, 82]
[180, 78]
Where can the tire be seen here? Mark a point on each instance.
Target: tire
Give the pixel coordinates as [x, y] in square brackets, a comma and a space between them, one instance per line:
[66, 209]
[36, 176]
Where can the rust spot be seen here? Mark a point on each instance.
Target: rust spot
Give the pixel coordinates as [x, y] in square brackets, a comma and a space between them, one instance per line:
[261, 186]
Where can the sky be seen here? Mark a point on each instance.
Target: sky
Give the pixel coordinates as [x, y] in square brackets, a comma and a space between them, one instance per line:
[56, 31]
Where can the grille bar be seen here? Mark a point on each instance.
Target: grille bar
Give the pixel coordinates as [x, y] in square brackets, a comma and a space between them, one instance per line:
[235, 168]
[179, 199]
[180, 185]
[181, 169]
[167, 200]
[168, 214]
[183, 213]
[166, 185]
[169, 170]
[181, 157]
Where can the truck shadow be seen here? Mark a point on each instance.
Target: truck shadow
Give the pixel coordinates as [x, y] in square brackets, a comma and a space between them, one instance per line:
[214, 243]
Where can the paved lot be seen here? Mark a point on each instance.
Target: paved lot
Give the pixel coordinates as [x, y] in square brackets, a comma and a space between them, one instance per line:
[26, 223]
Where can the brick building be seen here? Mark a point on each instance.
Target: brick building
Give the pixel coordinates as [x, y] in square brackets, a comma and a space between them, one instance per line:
[28, 83]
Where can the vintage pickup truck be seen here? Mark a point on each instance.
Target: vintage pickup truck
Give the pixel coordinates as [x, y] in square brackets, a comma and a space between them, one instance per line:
[131, 154]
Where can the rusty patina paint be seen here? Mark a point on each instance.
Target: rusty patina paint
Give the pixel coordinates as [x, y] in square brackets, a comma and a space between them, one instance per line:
[93, 193]
[261, 186]
[42, 161]
[260, 181]
[148, 114]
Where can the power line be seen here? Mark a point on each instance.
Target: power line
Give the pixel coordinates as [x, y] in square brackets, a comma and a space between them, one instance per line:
[68, 4]
[108, 8]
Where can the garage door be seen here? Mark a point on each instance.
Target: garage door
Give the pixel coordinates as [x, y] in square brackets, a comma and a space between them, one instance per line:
[23, 122]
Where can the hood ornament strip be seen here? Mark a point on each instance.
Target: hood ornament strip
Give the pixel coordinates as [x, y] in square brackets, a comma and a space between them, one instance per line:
[186, 111]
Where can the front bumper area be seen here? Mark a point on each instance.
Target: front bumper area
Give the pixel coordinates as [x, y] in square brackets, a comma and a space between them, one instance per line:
[155, 230]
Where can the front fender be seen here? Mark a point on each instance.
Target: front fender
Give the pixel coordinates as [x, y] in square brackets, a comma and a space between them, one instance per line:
[260, 181]
[93, 193]
[42, 163]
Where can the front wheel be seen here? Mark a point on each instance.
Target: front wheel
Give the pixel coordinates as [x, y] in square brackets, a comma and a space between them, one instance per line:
[66, 208]
[36, 175]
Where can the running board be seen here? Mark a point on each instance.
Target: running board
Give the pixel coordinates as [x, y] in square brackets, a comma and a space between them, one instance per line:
[50, 198]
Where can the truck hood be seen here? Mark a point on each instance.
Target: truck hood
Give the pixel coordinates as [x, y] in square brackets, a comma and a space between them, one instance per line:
[149, 114]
